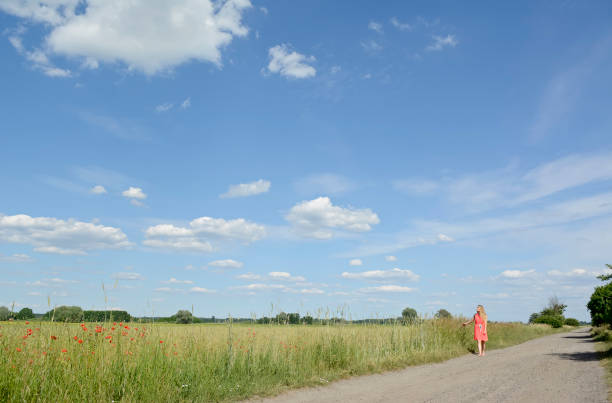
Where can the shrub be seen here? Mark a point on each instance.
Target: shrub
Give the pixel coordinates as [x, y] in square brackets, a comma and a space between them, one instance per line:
[572, 322]
[443, 314]
[4, 313]
[102, 316]
[184, 317]
[65, 314]
[600, 303]
[24, 313]
[553, 320]
[409, 315]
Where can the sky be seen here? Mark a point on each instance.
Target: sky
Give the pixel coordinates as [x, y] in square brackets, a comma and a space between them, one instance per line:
[329, 158]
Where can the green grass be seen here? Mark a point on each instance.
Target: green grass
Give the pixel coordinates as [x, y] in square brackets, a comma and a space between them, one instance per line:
[217, 362]
[604, 337]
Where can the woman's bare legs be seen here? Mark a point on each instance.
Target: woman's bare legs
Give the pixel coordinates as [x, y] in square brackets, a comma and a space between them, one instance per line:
[479, 348]
[483, 347]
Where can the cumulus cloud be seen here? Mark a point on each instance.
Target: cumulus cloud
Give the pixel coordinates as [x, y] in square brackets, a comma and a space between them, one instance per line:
[134, 193]
[127, 275]
[261, 286]
[319, 218]
[387, 288]
[200, 290]
[175, 281]
[290, 63]
[284, 276]
[66, 237]
[377, 275]
[355, 262]
[249, 276]
[198, 235]
[247, 189]
[145, 37]
[516, 273]
[315, 291]
[226, 264]
[441, 42]
[98, 190]
[375, 26]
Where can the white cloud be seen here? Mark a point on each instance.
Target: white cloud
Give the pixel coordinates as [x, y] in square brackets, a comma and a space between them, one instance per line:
[401, 26]
[127, 275]
[136, 203]
[134, 193]
[52, 235]
[445, 238]
[318, 218]
[415, 186]
[371, 46]
[516, 273]
[391, 258]
[247, 189]
[201, 231]
[17, 257]
[315, 291]
[335, 69]
[186, 103]
[574, 273]
[201, 290]
[249, 276]
[98, 190]
[264, 10]
[387, 288]
[440, 42]
[226, 264]
[375, 26]
[38, 58]
[326, 183]
[290, 63]
[165, 107]
[167, 289]
[355, 262]
[261, 286]
[175, 281]
[144, 37]
[377, 275]
[284, 276]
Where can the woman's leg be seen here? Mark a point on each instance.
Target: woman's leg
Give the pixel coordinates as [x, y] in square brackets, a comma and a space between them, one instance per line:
[479, 347]
[484, 343]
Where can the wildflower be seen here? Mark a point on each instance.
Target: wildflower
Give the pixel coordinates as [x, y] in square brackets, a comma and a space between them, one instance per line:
[161, 342]
[18, 350]
[44, 353]
[108, 337]
[64, 350]
[80, 341]
[53, 337]
[27, 322]
[75, 338]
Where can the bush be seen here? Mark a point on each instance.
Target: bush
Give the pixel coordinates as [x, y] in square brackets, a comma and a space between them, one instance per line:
[24, 313]
[184, 317]
[102, 316]
[409, 315]
[572, 322]
[553, 320]
[72, 314]
[600, 303]
[5, 314]
[443, 314]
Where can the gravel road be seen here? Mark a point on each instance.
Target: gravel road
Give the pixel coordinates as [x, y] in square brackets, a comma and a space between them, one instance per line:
[557, 368]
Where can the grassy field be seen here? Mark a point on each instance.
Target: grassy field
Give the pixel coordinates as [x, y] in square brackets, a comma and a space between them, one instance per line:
[217, 362]
[604, 336]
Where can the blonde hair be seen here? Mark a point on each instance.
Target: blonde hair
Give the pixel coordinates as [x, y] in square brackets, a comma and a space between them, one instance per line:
[483, 314]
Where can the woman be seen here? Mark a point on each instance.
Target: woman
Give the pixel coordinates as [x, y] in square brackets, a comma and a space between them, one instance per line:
[480, 329]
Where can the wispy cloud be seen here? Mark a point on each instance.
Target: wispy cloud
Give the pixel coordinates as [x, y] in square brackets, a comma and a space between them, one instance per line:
[289, 63]
[441, 42]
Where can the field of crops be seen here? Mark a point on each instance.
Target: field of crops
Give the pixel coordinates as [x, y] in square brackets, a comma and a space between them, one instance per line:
[156, 362]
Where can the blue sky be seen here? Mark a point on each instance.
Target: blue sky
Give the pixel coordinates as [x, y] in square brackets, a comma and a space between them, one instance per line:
[249, 157]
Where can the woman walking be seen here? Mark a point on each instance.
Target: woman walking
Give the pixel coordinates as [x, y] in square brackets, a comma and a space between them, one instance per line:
[480, 329]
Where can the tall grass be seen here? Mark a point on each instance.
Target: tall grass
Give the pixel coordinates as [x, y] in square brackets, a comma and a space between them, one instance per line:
[216, 362]
[603, 335]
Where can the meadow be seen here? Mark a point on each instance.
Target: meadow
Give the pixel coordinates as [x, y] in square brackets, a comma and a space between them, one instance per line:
[116, 361]
[603, 335]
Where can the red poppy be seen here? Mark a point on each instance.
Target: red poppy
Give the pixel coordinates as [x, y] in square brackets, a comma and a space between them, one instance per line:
[18, 349]
[76, 338]
[53, 337]
[80, 341]
[108, 337]
[27, 323]
[64, 350]
[161, 341]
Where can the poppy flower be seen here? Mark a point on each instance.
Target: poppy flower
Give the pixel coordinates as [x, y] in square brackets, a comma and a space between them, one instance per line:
[161, 341]
[53, 337]
[108, 337]
[80, 341]
[27, 322]
[18, 349]
[76, 338]
[64, 350]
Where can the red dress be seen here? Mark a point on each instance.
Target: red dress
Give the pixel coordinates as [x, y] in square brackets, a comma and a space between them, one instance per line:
[479, 328]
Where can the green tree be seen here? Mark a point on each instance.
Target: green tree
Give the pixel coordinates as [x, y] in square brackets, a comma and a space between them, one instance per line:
[443, 314]
[409, 315]
[24, 313]
[4, 313]
[184, 317]
[63, 313]
[600, 303]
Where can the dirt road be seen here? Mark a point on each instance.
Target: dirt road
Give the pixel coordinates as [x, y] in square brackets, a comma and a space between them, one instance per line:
[558, 368]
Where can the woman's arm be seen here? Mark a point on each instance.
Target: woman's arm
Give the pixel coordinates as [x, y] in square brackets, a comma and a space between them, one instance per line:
[468, 322]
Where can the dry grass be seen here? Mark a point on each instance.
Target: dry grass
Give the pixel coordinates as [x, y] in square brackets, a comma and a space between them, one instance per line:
[144, 362]
[604, 336]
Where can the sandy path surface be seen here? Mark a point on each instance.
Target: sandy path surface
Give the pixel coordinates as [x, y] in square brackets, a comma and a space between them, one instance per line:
[558, 368]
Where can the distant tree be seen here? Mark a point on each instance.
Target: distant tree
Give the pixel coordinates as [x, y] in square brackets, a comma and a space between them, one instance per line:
[600, 304]
[4, 313]
[184, 317]
[65, 314]
[443, 314]
[293, 318]
[533, 317]
[554, 307]
[24, 313]
[552, 314]
[282, 318]
[307, 320]
[409, 315]
[572, 322]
